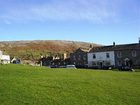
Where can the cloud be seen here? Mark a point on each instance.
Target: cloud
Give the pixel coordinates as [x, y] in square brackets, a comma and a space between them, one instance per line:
[96, 11]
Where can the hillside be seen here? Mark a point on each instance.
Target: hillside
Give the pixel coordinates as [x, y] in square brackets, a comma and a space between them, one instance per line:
[34, 49]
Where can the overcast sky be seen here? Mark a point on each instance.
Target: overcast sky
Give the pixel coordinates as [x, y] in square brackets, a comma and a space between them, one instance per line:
[98, 21]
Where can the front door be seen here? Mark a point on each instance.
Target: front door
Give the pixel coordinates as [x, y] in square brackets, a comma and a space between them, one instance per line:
[101, 64]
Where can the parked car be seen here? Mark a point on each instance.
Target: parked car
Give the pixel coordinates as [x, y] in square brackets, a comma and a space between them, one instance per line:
[71, 66]
[62, 66]
[54, 66]
[126, 68]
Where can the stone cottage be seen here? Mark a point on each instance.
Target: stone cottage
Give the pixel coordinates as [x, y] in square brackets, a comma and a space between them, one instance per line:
[115, 56]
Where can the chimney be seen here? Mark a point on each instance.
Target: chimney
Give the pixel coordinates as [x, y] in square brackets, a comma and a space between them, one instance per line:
[114, 44]
[90, 46]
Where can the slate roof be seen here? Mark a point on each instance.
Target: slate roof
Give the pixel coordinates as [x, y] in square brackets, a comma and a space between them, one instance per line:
[133, 46]
[82, 50]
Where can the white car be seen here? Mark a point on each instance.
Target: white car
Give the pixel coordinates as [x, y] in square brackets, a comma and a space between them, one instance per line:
[71, 66]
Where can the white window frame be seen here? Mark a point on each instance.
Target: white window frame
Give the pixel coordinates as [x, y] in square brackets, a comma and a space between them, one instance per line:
[119, 63]
[119, 54]
[134, 53]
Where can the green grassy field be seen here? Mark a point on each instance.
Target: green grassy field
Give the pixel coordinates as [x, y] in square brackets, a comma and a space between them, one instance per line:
[26, 85]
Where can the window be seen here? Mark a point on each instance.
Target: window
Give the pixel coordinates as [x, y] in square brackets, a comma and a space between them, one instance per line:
[94, 63]
[74, 57]
[79, 57]
[79, 63]
[107, 63]
[107, 55]
[119, 54]
[85, 63]
[119, 63]
[94, 56]
[84, 57]
[134, 53]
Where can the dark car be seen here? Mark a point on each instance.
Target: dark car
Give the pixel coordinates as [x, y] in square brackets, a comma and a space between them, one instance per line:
[126, 68]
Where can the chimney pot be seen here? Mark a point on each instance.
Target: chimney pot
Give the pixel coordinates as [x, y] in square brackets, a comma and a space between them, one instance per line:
[114, 44]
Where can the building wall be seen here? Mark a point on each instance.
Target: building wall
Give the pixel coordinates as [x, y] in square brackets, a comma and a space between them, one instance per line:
[0, 56]
[101, 58]
[127, 54]
[79, 59]
[0, 53]
[5, 59]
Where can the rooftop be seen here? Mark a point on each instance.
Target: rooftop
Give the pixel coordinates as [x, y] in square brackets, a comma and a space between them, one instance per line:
[116, 47]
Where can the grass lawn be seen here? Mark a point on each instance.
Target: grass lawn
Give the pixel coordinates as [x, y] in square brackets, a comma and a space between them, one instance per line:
[26, 85]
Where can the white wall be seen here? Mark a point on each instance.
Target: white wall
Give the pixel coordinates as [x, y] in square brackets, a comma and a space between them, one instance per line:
[0, 55]
[5, 59]
[101, 56]
[0, 52]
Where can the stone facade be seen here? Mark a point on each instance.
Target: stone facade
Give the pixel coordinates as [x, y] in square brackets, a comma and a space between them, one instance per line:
[128, 56]
[125, 55]
[79, 58]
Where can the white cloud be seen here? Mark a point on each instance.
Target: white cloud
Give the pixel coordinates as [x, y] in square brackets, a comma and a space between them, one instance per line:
[90, 10]
[96, 11]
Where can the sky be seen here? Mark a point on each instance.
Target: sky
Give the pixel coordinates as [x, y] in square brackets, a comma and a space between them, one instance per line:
[96, 21]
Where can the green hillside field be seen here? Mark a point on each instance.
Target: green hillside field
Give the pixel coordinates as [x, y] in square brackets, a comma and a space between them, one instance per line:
[27, 85]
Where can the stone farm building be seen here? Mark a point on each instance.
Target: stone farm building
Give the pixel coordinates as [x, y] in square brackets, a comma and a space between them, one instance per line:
[79, 58]
[115, 56]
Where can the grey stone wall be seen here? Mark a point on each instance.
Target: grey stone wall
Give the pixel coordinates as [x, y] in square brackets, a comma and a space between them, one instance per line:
[79, 59]
[128, 54]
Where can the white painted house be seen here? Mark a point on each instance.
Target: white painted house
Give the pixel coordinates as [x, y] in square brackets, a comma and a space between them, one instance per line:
[4, 59]
[0, 53]
[101, 59]
[0, 56]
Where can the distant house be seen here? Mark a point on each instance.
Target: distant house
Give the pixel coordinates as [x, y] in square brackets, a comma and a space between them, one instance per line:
[79, 58]
[15, 61]
[45, 61]
[4, 59]
[57, 60]
[60, 62]
[0, 53]
[101, 59]
[115, 55]
[0, 56]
